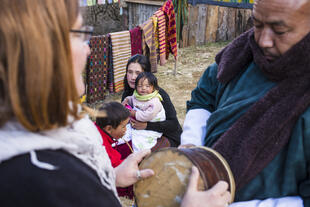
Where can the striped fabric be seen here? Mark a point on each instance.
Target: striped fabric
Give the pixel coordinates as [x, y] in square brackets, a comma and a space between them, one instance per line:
[237, 1]
[83, 2]
[101, 2]
[136, 41]
[168, 9]
[97, 69]
[162, 36]
[155, 28]
[148, 39]
[121, 52]
[91, 2]
[156, 36]
[110, 70]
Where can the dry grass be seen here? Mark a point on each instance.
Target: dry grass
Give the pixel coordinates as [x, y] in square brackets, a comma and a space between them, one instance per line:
[192, 61]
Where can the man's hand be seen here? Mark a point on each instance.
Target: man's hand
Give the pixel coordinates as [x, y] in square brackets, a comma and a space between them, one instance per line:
[186, 146]
[217, 196]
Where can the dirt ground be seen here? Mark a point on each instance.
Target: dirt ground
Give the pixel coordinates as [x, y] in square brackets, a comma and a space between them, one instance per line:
[191, 63]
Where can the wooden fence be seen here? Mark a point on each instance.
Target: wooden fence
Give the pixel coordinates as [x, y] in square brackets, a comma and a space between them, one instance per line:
[215, 20]
[243, 4]
[211, 23]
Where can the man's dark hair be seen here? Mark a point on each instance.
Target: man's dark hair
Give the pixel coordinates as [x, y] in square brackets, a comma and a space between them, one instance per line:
[150, 77]
[116, 113]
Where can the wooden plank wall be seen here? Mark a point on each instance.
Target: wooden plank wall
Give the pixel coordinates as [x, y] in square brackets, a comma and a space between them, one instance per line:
[206, 23]
[139, 13]
[209, 23]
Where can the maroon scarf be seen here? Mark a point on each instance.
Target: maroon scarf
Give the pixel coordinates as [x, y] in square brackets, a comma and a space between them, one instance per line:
[259, 135]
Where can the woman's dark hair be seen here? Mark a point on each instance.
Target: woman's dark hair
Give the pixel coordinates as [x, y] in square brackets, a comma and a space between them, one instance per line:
[116, 113]
[143, 61]
[150, 77]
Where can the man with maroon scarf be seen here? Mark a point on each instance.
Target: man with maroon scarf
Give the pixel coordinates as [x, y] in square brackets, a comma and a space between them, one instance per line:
[252, 106]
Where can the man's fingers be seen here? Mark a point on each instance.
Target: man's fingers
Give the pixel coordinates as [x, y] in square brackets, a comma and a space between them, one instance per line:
[220, 187]
[186, 146]
[140, 155]
[193, 180]
[227, 197]
[146, 173]
[137, 157]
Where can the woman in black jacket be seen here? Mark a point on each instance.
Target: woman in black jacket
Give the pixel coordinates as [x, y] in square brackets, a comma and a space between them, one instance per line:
[170, 128]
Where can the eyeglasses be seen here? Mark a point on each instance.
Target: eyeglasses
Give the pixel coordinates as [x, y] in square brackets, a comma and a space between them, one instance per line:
[85, 33]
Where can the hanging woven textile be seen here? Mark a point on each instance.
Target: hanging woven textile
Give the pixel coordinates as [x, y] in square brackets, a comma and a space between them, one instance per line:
[161, 36]
[168, 9]
[121, 52]
[110, 70]
[97, 69]
[148, 43]
[83, 3]
[101, 2]
[91, 2]
[155, 28]
[136, 41]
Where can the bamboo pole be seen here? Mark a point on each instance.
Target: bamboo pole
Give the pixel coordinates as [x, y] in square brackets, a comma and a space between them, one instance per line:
[175, 68]
[178, 33]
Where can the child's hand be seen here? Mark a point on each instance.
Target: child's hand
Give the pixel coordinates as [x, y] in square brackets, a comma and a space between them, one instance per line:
[125, 102]
[138, 124]
[133, 113]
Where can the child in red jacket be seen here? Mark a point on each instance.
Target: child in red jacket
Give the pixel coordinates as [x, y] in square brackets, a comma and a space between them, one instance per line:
[113, 127]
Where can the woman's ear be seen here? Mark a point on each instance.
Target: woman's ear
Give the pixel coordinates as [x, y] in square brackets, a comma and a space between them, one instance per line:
[108, 128]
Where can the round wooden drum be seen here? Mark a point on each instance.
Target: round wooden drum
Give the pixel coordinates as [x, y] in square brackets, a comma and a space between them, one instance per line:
[172, 169]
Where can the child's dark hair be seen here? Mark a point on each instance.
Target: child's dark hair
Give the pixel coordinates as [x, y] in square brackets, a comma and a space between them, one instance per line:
[150, 77]
[116, 113]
